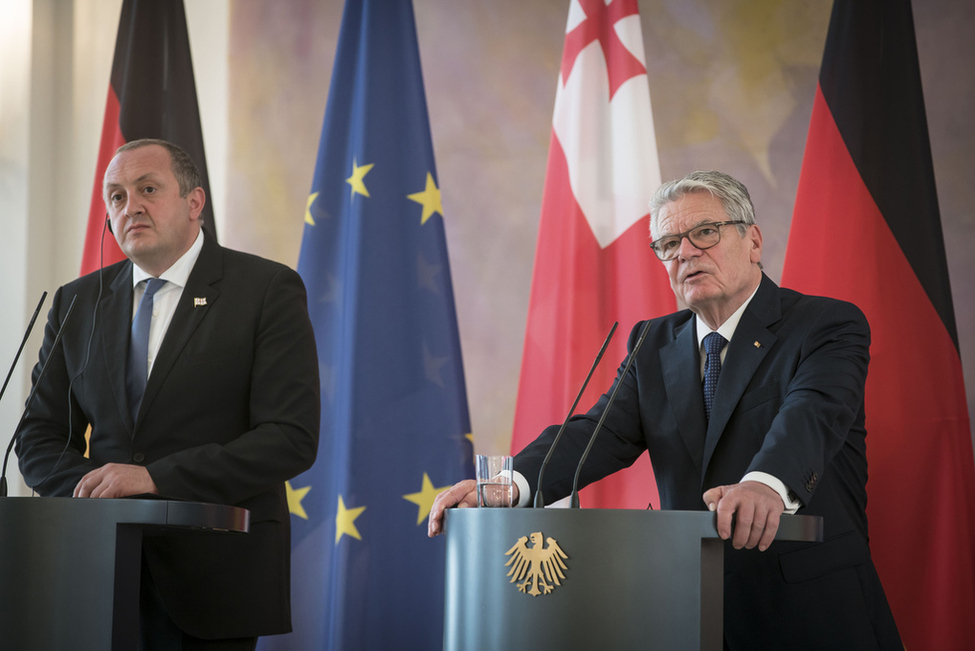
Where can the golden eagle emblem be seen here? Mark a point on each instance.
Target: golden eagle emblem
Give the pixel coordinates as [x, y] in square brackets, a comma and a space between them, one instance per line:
[537, 567]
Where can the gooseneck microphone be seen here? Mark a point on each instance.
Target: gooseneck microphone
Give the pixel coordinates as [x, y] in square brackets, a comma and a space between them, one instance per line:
[574, 500]
[539, 501]
[30, 398]
[10, 372]
[30, 326]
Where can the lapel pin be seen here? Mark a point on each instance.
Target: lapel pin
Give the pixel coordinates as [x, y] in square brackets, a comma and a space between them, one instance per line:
[757, 345]
[201, 302]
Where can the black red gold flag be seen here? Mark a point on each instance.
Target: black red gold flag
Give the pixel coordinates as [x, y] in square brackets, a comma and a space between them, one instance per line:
[867, 229]
[152, 94]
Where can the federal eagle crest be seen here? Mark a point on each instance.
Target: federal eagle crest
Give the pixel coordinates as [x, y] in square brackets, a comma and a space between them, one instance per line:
[538, 567]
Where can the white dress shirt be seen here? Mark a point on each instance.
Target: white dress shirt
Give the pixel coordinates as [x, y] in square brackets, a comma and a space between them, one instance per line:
[165, 300]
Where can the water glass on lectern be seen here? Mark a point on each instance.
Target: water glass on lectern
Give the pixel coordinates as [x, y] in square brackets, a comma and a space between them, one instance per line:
[493, 480]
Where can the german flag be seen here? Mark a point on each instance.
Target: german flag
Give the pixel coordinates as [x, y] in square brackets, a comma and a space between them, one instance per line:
[152, 94]
[867, 229]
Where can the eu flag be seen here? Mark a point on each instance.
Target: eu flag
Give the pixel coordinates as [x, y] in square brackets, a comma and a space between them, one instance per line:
[395, 426]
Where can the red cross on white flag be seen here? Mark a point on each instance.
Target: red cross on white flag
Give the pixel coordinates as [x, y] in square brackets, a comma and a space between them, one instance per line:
[593, 265]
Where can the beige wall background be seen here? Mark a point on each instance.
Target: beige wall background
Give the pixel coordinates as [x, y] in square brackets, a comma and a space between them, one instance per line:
[731, 81]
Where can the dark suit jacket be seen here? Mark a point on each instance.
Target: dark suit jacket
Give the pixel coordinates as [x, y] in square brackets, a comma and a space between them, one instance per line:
[230, 412]
[789, 402]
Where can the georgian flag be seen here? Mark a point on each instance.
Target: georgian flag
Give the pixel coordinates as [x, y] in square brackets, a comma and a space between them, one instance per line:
[593, 265]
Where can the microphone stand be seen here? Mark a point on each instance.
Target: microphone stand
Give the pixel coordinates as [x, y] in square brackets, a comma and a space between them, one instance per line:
[574, 500]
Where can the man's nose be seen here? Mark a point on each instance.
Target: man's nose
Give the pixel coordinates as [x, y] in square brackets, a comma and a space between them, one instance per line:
[133, 205]
[687, 248]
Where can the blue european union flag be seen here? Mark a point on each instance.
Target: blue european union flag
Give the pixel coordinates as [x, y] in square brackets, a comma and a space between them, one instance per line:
[395, 426]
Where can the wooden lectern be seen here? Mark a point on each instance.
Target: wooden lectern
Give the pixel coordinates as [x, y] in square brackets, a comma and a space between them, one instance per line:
[589, 578]
[70, 568]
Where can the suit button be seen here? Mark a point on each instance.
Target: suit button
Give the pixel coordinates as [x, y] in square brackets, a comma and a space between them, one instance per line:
[138, 457]
[811, 483]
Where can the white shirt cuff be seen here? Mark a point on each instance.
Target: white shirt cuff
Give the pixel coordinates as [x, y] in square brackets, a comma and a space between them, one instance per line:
[524, 497]
[791, 504]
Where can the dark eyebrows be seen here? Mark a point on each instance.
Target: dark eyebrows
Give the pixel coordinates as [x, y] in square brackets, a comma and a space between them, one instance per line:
[148, 176]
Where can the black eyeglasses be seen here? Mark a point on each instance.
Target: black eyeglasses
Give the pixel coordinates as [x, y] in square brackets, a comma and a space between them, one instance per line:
[702, 236]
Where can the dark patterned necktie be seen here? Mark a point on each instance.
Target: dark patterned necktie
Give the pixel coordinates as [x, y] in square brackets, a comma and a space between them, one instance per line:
[713, 344]
[137, 370]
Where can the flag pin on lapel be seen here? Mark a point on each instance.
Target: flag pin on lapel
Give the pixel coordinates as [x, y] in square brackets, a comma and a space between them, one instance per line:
[199, 302]
[757, 345]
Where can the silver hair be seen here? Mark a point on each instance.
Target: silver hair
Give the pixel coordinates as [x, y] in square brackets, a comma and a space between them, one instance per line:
[731, 192]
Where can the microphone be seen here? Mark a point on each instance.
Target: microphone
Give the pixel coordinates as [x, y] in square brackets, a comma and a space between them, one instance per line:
[574, 500]
[30, 398]
[30, 326]
[539, 502]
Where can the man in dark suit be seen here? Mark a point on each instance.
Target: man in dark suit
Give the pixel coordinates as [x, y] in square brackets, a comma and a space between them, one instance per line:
[763, 417]
[221, 404]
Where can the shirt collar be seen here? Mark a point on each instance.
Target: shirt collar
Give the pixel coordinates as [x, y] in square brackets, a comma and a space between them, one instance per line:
[179, 272]
[726, 329]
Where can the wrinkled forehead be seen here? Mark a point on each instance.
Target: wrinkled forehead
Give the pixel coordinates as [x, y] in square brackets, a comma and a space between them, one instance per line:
[686, 212]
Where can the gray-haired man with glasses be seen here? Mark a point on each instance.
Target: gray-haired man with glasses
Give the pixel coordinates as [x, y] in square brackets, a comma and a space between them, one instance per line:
[750, 403]
[702, 237]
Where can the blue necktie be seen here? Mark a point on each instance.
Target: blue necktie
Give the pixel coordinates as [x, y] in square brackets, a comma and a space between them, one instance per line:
[713, 344]
[137, 371]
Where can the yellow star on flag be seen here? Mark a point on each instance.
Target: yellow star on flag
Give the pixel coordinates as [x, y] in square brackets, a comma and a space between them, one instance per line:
[357, 180]
[424, 499]
[429, 199]
[345, 521]
[308, 218]
[295, 495]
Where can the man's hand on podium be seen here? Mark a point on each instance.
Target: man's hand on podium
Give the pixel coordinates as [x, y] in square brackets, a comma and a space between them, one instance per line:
[462, 495]
[756, 508]
[116, 480]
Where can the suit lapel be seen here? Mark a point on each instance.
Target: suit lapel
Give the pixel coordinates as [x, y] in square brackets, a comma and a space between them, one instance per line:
[750, 344]
[197, 299]
[115, 310]
[682, 381]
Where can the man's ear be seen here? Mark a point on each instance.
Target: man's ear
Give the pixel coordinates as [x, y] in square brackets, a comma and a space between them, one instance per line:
[755, 241]
[197, 199]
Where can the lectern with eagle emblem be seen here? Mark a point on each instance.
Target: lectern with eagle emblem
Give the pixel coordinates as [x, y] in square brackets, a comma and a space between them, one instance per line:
[580, 579]
[539, 566]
